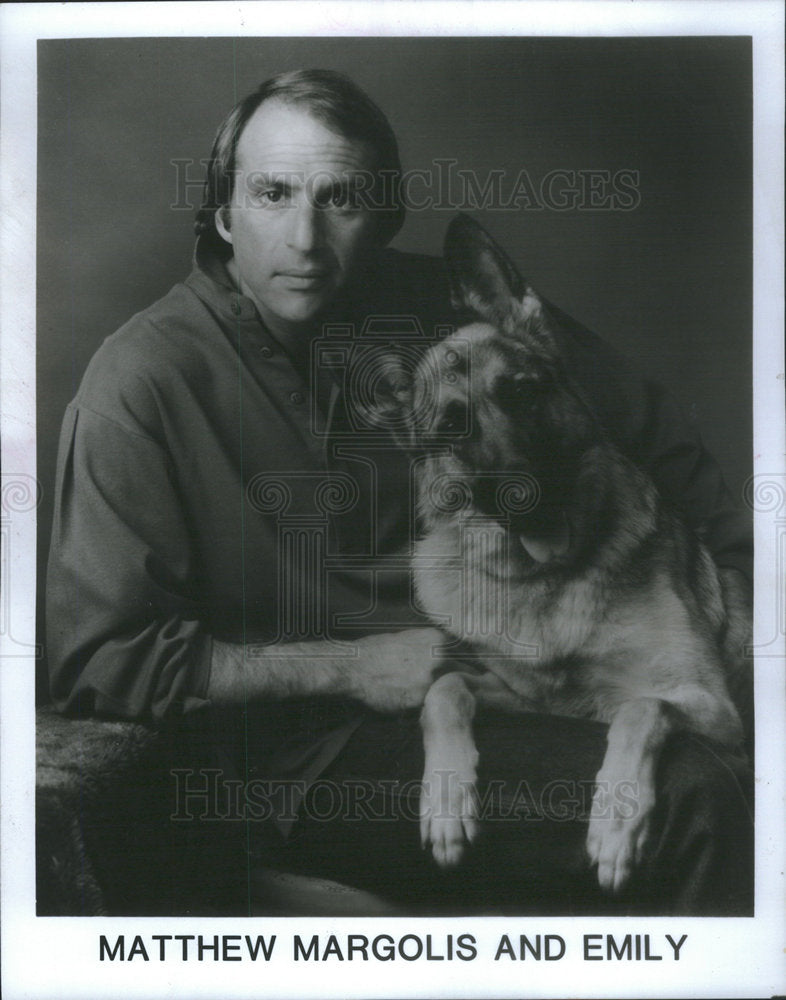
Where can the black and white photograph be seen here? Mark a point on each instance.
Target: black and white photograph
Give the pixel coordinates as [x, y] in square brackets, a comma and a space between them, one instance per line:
[393, 483]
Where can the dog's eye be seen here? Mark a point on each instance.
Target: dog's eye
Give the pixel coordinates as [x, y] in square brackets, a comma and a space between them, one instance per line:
[518, 388]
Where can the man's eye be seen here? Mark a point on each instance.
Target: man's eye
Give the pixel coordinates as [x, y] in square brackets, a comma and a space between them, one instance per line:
[271, 196]
[339, 198]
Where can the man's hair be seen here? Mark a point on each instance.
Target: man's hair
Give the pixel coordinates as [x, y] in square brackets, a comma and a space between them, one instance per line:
[342, 107]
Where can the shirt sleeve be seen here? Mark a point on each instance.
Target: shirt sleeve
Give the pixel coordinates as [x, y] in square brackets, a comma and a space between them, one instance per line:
[648, 425]
[123, 622]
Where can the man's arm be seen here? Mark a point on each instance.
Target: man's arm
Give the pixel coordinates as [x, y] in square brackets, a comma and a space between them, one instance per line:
[125, 634]
[389, 672]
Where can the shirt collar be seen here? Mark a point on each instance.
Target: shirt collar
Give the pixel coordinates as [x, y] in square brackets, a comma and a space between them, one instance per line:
[210, 280]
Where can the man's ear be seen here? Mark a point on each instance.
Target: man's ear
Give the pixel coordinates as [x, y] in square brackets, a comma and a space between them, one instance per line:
[485, 282]
[222, 223]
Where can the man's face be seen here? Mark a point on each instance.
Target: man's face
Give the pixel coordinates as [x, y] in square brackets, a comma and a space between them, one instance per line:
[296, 235]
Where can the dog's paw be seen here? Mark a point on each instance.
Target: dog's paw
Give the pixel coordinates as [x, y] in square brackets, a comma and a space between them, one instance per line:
[449, 839]
[616, 844]
[448, 815]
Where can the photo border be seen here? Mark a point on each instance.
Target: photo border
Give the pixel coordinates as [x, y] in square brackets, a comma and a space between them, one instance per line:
[44, 957]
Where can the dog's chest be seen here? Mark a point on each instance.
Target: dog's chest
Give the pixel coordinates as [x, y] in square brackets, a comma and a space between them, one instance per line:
[531, 632]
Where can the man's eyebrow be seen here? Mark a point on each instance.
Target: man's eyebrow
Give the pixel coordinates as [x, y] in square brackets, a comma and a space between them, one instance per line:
[277, 178]
[323, 181]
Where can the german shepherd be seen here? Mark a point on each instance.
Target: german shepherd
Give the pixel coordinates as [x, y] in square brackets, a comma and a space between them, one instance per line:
[598, 601]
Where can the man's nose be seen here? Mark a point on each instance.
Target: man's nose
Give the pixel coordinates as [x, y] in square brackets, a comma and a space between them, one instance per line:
[305, 226]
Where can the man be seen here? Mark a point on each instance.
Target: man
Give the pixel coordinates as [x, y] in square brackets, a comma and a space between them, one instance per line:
[200, 569]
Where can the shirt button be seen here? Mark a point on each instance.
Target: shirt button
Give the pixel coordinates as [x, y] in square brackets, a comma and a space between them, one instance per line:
[235, 307]
[297, 398]
[266, 352]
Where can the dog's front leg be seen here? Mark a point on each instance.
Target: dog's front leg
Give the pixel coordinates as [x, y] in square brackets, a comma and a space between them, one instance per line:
[625, 788]
[448, 803]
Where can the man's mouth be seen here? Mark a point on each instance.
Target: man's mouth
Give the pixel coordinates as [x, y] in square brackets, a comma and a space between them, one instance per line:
[305, 279]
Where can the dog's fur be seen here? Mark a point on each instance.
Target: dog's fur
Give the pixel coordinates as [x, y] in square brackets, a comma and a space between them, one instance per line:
[628, 618]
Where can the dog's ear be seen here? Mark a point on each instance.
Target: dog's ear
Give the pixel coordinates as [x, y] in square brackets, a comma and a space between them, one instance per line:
[486, 283]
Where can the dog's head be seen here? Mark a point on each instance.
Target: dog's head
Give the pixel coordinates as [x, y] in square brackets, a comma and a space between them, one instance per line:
[493, 398]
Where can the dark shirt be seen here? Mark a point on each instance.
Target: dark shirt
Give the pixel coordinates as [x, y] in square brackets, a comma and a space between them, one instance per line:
[203, 490]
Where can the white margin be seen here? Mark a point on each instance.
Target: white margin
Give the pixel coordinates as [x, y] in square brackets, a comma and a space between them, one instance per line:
[41, 957]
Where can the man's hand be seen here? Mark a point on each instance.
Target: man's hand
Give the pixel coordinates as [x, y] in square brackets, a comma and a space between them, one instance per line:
[391, 672]
[394, 670]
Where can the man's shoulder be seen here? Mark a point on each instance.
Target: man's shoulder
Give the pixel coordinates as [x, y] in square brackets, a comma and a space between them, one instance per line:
[171, 322]
[165, 343]
[419, 272]
[412, 264]
[398, 281]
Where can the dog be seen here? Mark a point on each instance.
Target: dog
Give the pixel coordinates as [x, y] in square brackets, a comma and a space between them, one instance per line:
[628, 618]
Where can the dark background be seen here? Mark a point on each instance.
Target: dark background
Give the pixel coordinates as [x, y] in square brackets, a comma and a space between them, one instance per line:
[668, 283]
